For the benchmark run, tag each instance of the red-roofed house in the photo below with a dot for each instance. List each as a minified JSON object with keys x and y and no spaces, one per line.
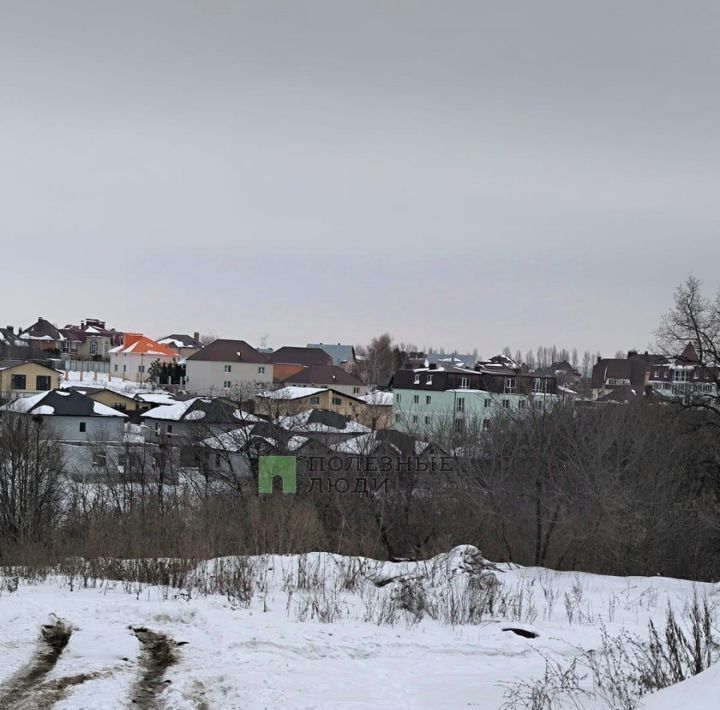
{"x":132,"y":359}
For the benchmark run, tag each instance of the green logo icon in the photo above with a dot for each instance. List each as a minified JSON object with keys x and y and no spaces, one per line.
{"x":272,"y":467}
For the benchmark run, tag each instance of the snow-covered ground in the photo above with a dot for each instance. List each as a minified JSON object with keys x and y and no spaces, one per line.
{"x":323,"y":631}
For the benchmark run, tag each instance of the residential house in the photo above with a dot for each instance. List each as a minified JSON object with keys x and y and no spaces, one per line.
{"x":113,"y":399}
{"x":287,"y":361}
{"x":342,"y":355}
{"x":73,"y":416}
{"x":377,"y":412}
{"x":132,"y":360}
{"x":91,"y":340}
{"x":450,"y":360}
{"x":185,"y":345}
{"x":193,"y":419}
{"x":330,"y":376}
{"x":679,"y":378}
{"x":563,"y":371}
{"x":21,"y":378}
{"x":683,"y":378}
{"x":437,"y":396}
{"x":11,"y":346}
{"x":290,"y":400}
{"x":322,"y":425}
{"x":225,"y":366}
{"x":43,"y":335}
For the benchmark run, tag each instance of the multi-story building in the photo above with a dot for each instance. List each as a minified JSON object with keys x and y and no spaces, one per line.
{"x":679,"y":378}
{"x":225,"y":366}
{"x":428,"y":397}
{"x":133,"y":359}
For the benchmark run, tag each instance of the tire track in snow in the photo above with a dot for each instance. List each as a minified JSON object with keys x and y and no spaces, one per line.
{"x":157,"y":654}
{"x":19,"y":690}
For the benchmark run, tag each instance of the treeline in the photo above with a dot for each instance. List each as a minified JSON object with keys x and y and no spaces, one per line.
{"x":609,"y":489}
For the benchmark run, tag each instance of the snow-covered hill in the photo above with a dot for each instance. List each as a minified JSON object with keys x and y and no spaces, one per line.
{"x":320,"y":631}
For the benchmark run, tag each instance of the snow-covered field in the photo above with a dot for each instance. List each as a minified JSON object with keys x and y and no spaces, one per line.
{"x":322,"y":631}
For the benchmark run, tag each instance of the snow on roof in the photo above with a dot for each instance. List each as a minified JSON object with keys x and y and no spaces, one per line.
{"x":378,"y":398}
{"x":138,"y":344}
{"x":61,"y":403}
{"x":172,"y":412}
{"x":156,"y":397}
{"x":24,"y":404}
{"x":292,"y":392}
{"x":302,"y":421}
{"x":102,"y":410}
{"x":44,"y":409}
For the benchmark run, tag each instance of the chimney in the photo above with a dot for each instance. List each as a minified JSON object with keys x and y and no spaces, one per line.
{"x":10,"y":329}
{"x":631,"y":353}
{"x":196,"y":336}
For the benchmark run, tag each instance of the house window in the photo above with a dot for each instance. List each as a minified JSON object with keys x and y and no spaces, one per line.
{"x":460,"y":404}
{"x":314,"y":400}
{"x":99,"y":459}
{"x":416,"y":399}
{"x":417,"y":380}
{"x":429,"y":380}
{"x":428,"y":399}
{"x":356,"y":390}
{"x":122,"y":460}
{"x":119,"y":406}
{"x":539,"y":385}
{"x":141,"y":368}
{"x":93,"y":347}
{"x":261,"y":370}
{"x":486,"y":423}
{"x":397,"y":417}
{"x":116,"y":367}
{"x":83,"y":427}
{"x":486,"y":403}
{"x":336,"y":401}
{"x":458,"y":424}
{"x":42,"y":382}
{"x":506,"y":404}
{"x":522,"y":403}
{"x":169,"y":428}
{"x":228,"y":368}
{"x":397,"y":398}
{"x":415,"y":419}
{"x":427,"y":420}
{"x":510,"y":385}
{"x":464,"y":383}
{"x":227,"y":384}
{"x":18,"y":382}
{"x":124,"y":368}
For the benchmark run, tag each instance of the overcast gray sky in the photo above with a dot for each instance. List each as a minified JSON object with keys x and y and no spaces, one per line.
{"x":466,"y":174}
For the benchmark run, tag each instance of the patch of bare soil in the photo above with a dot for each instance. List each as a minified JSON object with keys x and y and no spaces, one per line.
{"x":19,"y":691}
{"x":157,"y":654}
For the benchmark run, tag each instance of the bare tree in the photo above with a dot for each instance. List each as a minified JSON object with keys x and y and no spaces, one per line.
{"x":30,"y":470}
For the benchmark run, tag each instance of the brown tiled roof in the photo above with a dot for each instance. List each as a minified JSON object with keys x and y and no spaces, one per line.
{"x":614,"y":368}
{"x":326,"y":375}
{"x":223,"y":350}
{"x":289,"y":355}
